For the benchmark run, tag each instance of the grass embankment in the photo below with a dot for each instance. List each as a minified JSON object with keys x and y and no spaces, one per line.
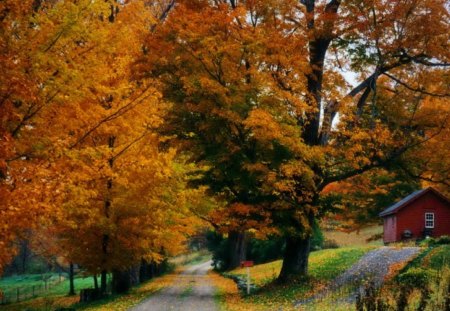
{"x":324,"y":266}
{"x":434,"y":258}
{"x":422,"y":284}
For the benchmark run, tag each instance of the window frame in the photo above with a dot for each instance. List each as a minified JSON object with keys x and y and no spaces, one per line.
{"x":432,"y":220}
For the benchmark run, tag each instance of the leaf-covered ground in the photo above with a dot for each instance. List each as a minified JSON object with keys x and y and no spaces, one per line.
{"x":324,"y":266}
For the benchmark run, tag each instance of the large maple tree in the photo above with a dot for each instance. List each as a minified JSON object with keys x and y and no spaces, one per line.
{"x":260,"y":96}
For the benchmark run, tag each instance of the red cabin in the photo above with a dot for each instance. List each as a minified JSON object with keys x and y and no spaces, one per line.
{"x":423,"y":213}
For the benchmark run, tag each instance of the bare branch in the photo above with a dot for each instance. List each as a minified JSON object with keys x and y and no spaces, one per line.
{"x":163,"y":15}
{"x":444,"y":181}
{"x":136,"y":101}
{"x":376,"y":163}
{"x":419,"y":90}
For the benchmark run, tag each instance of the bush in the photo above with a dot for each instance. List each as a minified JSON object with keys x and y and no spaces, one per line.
{"x":415,"y":278}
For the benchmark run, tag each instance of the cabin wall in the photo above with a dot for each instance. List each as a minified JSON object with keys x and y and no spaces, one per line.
{"x":412,"y":217}
{"x":389,"y":229}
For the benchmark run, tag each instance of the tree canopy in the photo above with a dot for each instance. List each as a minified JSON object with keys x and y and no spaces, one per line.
{"x":124,"y":124}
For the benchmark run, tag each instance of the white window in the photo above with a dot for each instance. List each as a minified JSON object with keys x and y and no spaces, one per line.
{"x":429,"y":220}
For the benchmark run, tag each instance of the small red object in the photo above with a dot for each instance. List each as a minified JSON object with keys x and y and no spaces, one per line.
{"x":246,"y":264}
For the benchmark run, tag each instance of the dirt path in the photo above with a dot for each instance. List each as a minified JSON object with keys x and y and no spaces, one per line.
{"x":192,"y":290}
{"x":373,"y":266}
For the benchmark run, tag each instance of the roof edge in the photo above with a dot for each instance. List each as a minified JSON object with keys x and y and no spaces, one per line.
{"x":417,"y":196}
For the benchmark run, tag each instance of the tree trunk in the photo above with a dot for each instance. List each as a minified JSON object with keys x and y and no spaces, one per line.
{"x":107,"y":207}
{"x":295,"y":260}
{"x":238,"y":248}
{"x":95,"y":282}
{"x":145,"y":271}
{"x":71,"y":280}
{"x":103,"y":281}
{"x":134,"y":275}
{"x":121,"y":282}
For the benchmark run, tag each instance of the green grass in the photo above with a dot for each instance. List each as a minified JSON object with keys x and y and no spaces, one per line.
{"x":438,"y":258}
{"x":80,"y":283}
{"x":26,"y":282}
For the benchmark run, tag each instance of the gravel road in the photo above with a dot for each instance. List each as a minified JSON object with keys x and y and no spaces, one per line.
{"x":192,"y":290}
{"x":373,"y":266}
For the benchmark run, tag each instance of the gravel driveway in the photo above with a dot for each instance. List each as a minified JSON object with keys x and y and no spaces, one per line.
{"x":373,"y":266}
{"x":192,"y":290}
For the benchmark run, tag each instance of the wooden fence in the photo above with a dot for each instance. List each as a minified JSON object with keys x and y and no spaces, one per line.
{"x":22,"y":293}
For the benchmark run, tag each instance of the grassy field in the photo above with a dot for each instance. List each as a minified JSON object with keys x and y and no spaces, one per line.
{"x":324,"y":266}
{"x":355,"y":238}
{"x":28,"y":284}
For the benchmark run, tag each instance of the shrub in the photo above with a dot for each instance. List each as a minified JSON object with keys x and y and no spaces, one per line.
{"x":330,"y":243}
{"x":445,"y":239}
{"x":262,"y":251}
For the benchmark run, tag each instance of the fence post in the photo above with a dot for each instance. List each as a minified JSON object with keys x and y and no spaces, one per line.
{"x":17,"y":294}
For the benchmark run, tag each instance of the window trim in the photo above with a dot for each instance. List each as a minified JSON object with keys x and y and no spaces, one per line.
{"x":432,"y":220}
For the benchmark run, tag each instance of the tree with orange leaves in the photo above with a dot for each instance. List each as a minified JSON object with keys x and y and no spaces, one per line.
{"x":80,"y":155}
{"x":258,"y":86}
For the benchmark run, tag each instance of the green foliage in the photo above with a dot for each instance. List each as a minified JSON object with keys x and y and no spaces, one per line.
{"x":261,"y":251}
{"x":317,"y":238}
{"x":258,"y":250}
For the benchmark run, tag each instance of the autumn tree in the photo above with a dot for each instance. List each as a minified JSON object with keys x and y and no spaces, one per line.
{"x":260,"y":97}
{"x":80,"y":155}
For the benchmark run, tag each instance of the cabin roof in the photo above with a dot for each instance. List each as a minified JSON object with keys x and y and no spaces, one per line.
{"x":409,"y":199}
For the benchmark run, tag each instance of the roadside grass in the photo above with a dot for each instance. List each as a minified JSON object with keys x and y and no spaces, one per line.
{"x":355,"y":238}
{"x":324,"y":266}
{"x":57,"y":298}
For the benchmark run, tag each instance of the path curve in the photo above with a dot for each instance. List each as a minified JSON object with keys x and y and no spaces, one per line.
{"x":192,"y":290}
{"x":373,"y":266}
